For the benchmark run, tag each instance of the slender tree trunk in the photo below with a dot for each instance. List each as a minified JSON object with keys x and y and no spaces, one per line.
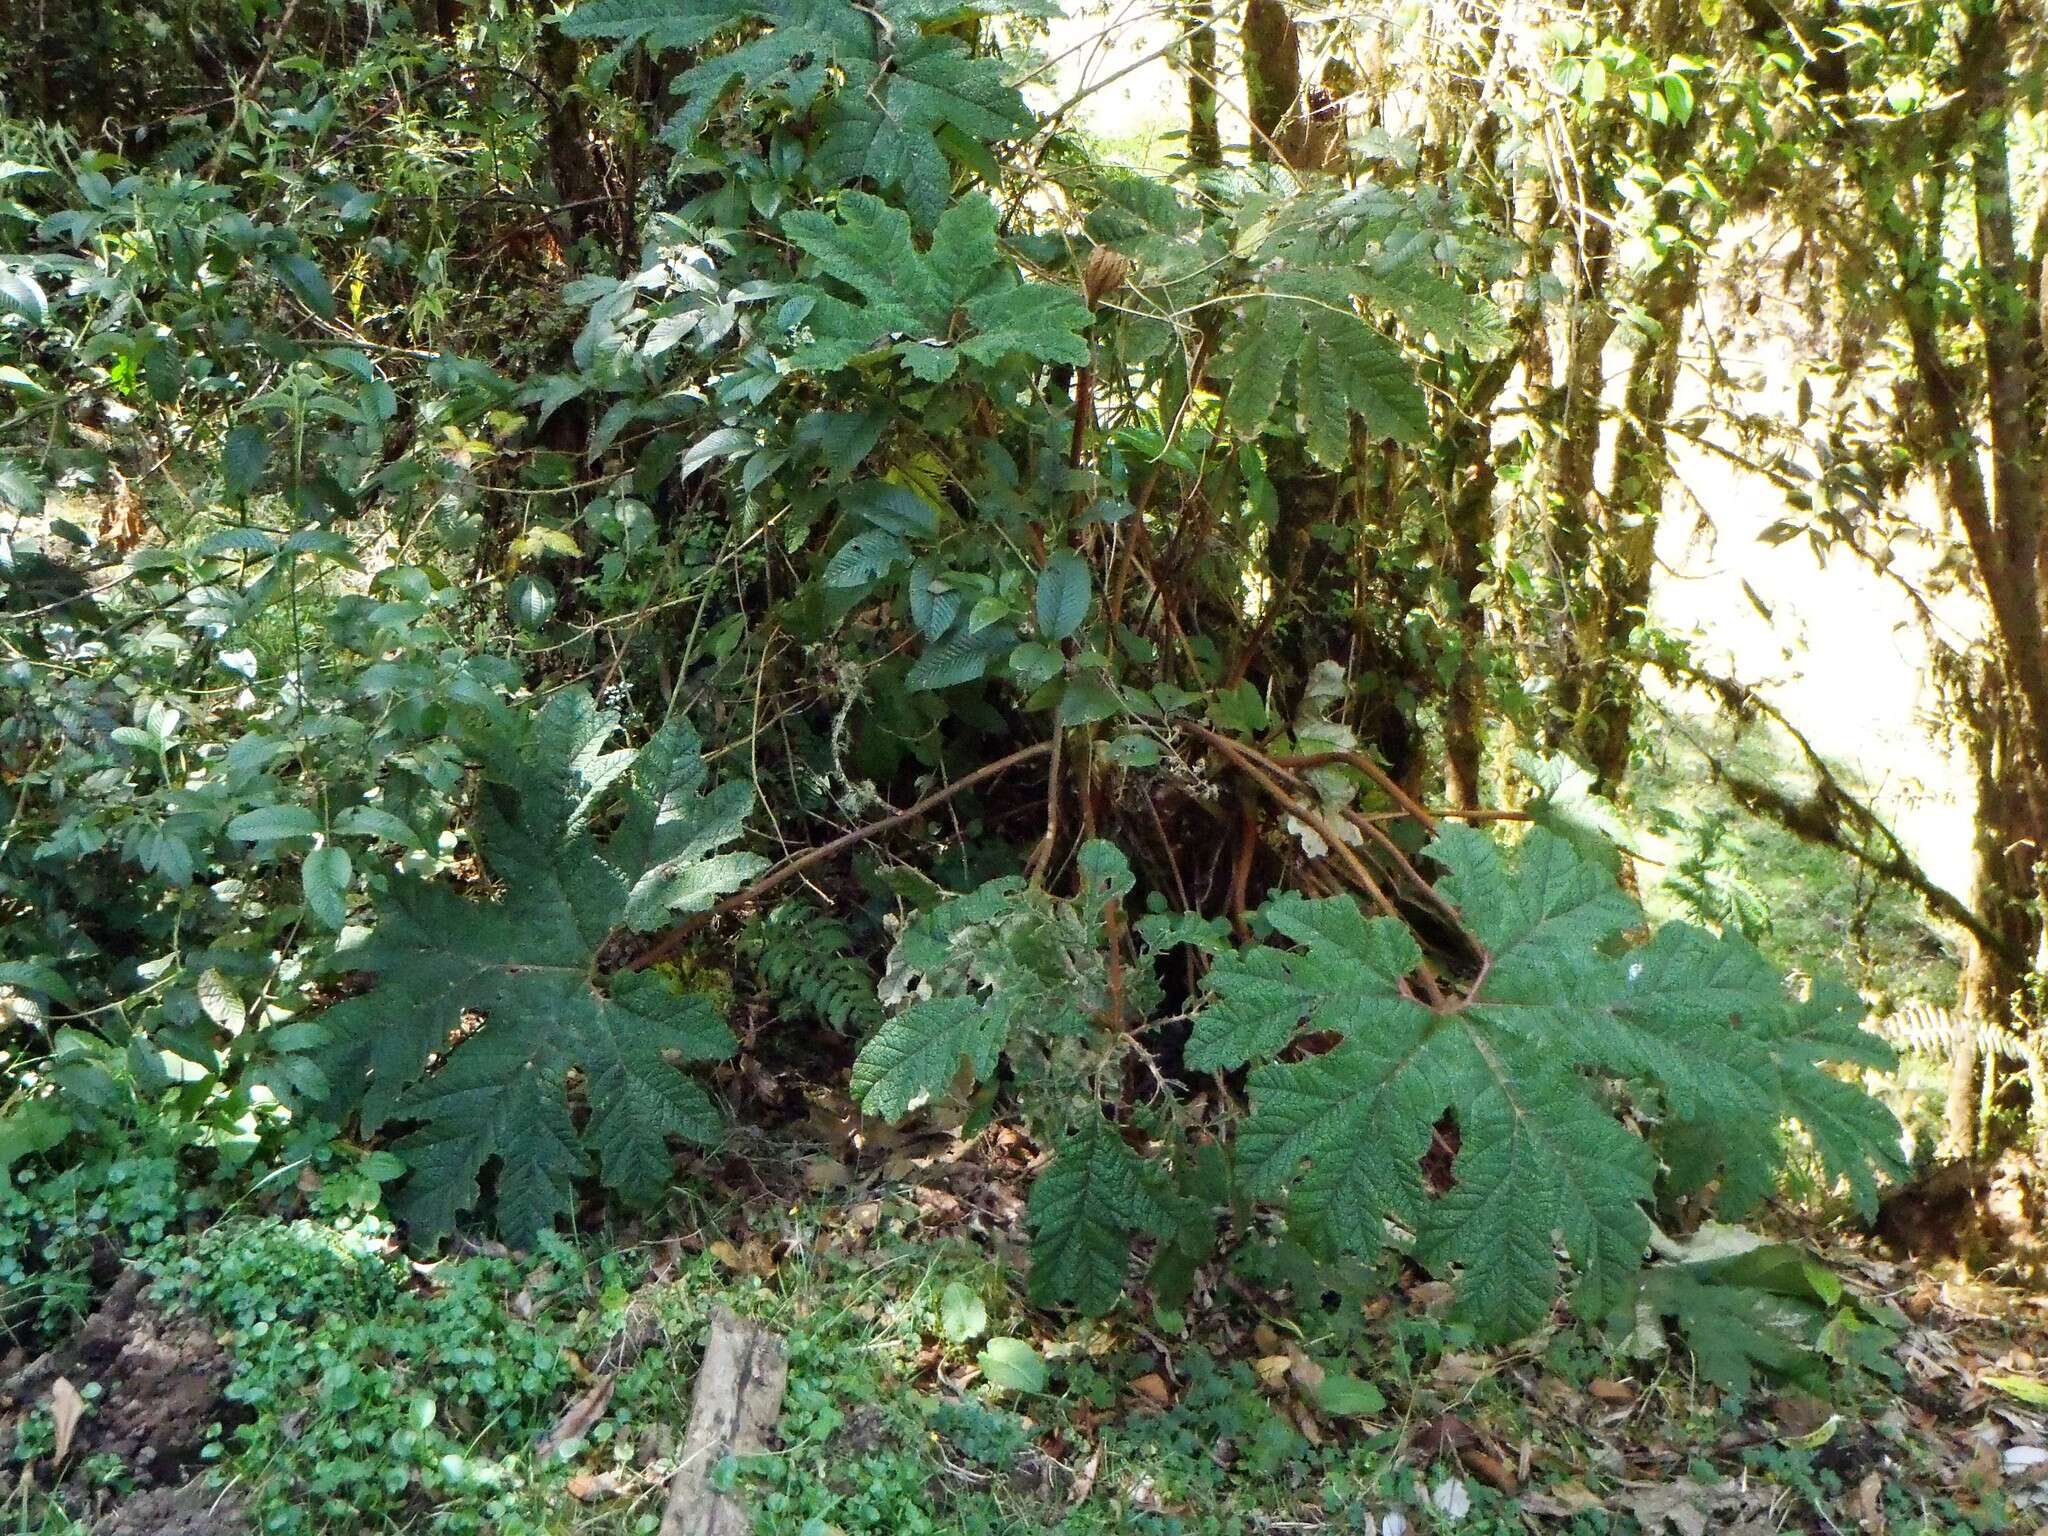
{"x":1471,"y":536}
{"x":437,"y":18}
{"x":2005,"y":892}
{"x":1272,"y":78}
{"x":1573,"y":411}
{"x":1600,"y":683}
{"x":1642,"y":472}
{"x":1205,"y":132}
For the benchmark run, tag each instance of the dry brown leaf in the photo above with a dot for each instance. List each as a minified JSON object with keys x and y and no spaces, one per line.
{"x":1608,"y":1390}
{"x":1561,"y":1501}
{"x":1867,"y":1504}
{"x":1084,"y":1480}
{"x":1152,"y":1388}
{"x":1270,"y":1369}
{"x":1491,"y":1469}
{"x":1446,"y":1432}
{"x":1462,"y":1370}
{"x":825,"y":1173}
{"x":1302,"y":1371}
{"x":1684,"y":1506}
{"x":578,"y":1417}
{"x":1985,"y":1471}
{"x":1433,"y":1296}
{"x":121,"y":526}
{"x":727,"y":1254}
{"x":586,"y":1488}
{"x":66,"y":1409}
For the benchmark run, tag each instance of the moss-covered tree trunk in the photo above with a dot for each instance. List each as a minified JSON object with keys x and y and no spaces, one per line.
{"x":1205,"y":130}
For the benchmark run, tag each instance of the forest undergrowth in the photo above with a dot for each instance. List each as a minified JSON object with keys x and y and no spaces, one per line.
{"x":670,"y":656}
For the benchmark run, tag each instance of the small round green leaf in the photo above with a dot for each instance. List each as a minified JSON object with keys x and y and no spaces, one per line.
{"x":532,"y":600}
{"x":963,"y":1315}
{"x":1013,"y":1365}
{"x":1132,"y":751}
{"x":1346,"y":1396}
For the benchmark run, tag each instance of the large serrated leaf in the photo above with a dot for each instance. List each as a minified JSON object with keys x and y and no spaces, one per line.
{"x":1085,"y":1209}
{"x":482,"y":1009}
{"x":1302,"y":327}
{"x":915,"y":1057}
{"x":960,"y":298}
{"x":890,"y":92}
{"x":1521,"y":1063}
{"x":885,"y":127}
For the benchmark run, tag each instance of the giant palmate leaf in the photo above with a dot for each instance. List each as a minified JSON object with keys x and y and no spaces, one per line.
{"x":486,"y":1003}
{"x":1564,"y":1024}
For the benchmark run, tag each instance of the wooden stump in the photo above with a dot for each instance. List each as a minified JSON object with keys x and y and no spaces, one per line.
{"x":732,"y":1413}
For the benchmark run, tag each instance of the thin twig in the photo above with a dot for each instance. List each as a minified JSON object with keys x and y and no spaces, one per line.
{"x":675,"y":937}
{"x":283,"y":30}
{"x":1372,"y":770}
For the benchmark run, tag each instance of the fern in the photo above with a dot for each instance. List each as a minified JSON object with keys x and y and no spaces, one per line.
{"x":1708,"y":881}
{"x":482,"y":1010}
{"x":1085,"y":1208}
{"x":1317,"y":271}
{"x":1696,"y":1024}
{"x":806,"y":960}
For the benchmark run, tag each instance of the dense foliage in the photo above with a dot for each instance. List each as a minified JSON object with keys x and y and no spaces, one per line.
{"x":1082,"y":577}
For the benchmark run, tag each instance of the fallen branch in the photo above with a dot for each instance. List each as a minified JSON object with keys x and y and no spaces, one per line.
{"x":1372,"y":770}
{"x":1827,"y":817}
{"x":733,"y":1412}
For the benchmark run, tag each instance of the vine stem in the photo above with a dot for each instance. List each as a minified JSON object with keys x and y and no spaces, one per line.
{"x":1372,"y":770}
{"x":676,"y":936}
{"x":1284,"y":769}
{"x":1341,"y":856}
{"x":1041,"y":856}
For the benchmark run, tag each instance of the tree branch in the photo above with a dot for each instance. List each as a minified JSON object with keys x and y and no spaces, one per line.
{"x":1832,"y":814}
{"x":673,"y":938}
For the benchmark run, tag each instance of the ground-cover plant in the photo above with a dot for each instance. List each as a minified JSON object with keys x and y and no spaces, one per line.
{"x":433,"y":1397}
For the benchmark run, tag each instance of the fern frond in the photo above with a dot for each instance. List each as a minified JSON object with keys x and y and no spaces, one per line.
{"x":806,"y":960}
